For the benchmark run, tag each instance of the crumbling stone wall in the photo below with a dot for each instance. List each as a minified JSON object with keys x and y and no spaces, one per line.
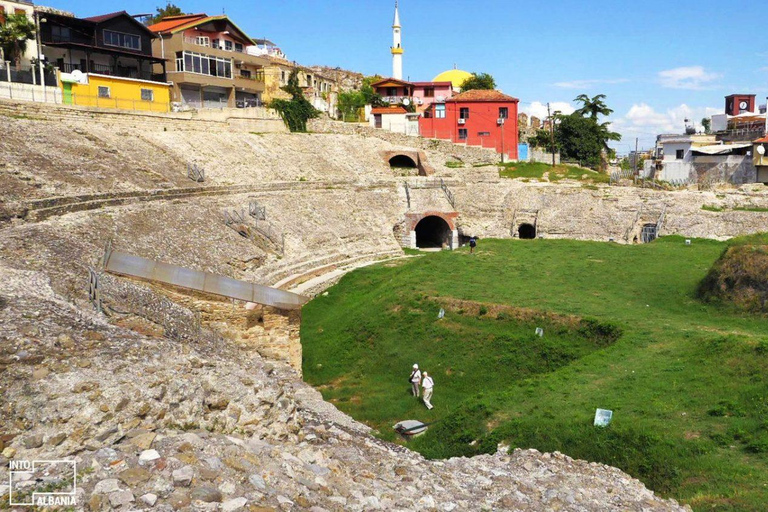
{"x":464,"y":153}
{"x":735,"y":169}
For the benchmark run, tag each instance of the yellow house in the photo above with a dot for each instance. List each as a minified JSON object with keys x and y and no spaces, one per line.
{"x":104,"y":91}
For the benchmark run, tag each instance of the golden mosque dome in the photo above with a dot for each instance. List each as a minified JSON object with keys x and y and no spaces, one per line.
{"x":455,"y":76}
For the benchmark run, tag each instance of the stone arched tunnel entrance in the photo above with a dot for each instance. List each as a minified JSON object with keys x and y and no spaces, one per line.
{"x":400,"y":161}
{"x":432,"y":232}
{"x":408,"y":159}
{"x":526,"y":231}
{"x":432,"y":229}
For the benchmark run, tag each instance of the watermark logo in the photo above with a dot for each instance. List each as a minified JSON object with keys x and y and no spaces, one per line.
{"x":42,"y":483}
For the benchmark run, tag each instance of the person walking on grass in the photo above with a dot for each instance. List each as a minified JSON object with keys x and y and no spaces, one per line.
{"x":415,"y":380}
{"x":427,"y":383}
{"x":472,"y":245}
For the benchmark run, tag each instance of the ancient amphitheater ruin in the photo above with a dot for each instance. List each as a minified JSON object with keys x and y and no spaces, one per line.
{"x":172,"y":399}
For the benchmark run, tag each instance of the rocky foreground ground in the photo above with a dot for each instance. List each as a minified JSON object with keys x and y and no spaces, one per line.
{"x":158,"y":425}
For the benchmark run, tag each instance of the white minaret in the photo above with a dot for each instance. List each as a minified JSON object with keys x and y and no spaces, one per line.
{"x":397,"y":47}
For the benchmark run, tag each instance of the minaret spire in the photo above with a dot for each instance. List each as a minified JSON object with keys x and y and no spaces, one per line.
{"x":397,"y":47}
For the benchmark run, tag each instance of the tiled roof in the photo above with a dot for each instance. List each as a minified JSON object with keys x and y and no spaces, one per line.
{"x":393,"y":80}
{"x":105,"y":17}
{"x":389,"y":110}
{"x":171,"y":22}
{"x":482,"y":95}
{"x":764,"y":140}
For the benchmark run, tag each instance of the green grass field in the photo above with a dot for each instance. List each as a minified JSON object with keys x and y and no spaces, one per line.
{"x":687,"y":381}
{"x":538,"y":170}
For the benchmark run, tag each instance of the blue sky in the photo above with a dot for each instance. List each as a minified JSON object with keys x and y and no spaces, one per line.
{"x":658,"y":61}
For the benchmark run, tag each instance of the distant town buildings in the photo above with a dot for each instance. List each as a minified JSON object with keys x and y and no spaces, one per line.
{"x":197,"y":61}
{"x":438,"y":109}
{"x":733,"y":151}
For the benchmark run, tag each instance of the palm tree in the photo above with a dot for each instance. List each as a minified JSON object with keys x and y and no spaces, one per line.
{"x":593,"y":106}
{"x":17,"y":31}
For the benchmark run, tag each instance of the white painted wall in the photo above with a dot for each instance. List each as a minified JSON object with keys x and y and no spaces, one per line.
{"x":676,"y":170}
{"x":398,"y":123}
{"x":28,"y":92}
{"x":671,"y":148}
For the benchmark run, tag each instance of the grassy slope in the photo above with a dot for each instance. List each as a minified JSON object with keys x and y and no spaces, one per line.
{"x":538,"y":169}
{"x":686,"y":381}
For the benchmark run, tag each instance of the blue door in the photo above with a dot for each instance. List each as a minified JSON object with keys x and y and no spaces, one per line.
{"x":522,"y":152}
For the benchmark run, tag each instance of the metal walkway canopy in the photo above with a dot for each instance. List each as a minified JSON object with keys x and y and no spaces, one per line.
{"x":134,"y":266}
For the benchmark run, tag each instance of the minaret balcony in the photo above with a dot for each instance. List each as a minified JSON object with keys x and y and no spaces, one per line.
{"x":397,"y":51}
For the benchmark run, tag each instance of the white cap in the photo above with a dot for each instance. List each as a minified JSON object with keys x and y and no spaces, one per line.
{"x":425,"y":374}
{"x":415,"y":367}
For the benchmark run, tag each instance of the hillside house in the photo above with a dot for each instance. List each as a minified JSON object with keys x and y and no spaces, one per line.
{"x":209,"y":64}
{"x":104,"y":61}
{"x":476,"y":118}
{"x":395,"y":119}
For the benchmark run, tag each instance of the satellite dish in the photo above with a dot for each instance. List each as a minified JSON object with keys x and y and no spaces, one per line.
{"x":761,"y":150}
{"x":77,"y":76}
{"x":406,"y":102}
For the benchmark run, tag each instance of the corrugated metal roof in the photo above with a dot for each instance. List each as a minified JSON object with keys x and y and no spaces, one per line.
{"x":720,"y":149}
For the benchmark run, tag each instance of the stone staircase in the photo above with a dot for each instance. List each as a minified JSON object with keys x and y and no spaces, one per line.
{"x":298,"y":271}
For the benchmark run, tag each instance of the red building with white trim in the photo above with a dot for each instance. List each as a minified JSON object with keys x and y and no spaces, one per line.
{"x":476,"y":118}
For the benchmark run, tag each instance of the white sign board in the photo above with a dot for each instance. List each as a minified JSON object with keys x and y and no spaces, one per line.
{"x":603,"y":417}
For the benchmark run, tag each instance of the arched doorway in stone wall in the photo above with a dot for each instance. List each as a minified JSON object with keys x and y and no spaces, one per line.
{"x":432,"y":232}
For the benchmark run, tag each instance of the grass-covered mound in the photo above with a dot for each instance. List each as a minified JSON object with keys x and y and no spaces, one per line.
{"x":545,"y":172}
{"x":740,"y":277}
{"x":623,"y":330}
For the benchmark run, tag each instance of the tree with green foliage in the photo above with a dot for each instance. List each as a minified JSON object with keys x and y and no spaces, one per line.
{"x":298,"y":110}
{"x":15,"y":35}
{"x":169,"y":10}
{"x":542,"y":139}
{"x":478,"y":81}
{"x":580,"y":136}
{"x":593,"y":106}
{"x":350,"y":102}
{"x":707,"y":124}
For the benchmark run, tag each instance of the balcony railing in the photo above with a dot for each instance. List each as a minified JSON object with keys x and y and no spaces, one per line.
{"x":393,"y":100}
{"x":209,"y":44}
{"x":257,"y":76}
{"x":104,"y":69}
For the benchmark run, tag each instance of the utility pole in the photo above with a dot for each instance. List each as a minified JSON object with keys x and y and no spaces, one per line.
{"x":634,"y":160}
{"x":551,"y":133}
{"x":501,"y":123}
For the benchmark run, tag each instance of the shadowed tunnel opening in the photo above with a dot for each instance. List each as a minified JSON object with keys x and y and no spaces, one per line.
{"x":526,"y":231}
{"x":432,"y":232}
{"x":400,"y":161}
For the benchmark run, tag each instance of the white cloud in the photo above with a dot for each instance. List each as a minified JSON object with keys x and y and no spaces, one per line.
{"x":586,"y":84}
{"x":538,"y":109}
{"x":689,"y":77}
{"x":644,"y":119}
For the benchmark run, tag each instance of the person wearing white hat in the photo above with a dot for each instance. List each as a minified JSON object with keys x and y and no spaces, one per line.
{"x":415,"y":380}
{"x":427,"y":383}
